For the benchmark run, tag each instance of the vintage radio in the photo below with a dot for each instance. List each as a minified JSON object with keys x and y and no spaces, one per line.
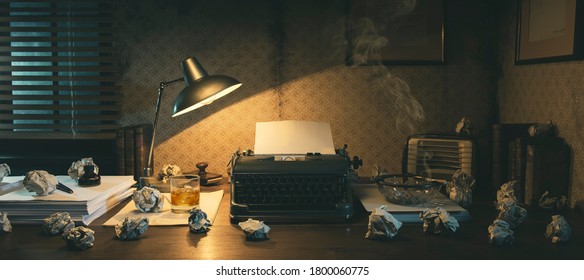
{"x":439,"y":156}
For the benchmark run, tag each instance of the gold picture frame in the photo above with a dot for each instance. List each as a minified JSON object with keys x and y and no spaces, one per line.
{"x":396,"y":32}
{"x":547,"y":31}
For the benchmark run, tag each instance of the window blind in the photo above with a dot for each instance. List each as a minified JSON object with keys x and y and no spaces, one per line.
{"x":58,"y":69}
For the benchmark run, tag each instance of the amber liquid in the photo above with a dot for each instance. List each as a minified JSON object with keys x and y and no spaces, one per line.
{"x":184,"y":199}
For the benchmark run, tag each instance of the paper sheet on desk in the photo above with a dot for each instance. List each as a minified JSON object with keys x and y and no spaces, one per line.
{"x":371,"y":198}
{"x":210,"y":202}
{"x":9,"y":187}
{"x":293,"y":138}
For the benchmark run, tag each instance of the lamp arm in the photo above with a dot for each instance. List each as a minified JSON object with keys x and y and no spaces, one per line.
{"x":148,"y":172}
{"x":164,"y":84}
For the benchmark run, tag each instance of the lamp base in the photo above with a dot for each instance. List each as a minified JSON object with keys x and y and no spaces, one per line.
{"x":147,"y":172}
{"x":154,"y":183}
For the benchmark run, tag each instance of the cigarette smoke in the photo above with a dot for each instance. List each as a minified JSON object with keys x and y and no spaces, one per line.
{"x":367,"y":41}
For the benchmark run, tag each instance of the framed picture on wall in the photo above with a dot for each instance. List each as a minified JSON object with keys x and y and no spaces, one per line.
{"x":395,"y":32}
{"x":548,"y":31}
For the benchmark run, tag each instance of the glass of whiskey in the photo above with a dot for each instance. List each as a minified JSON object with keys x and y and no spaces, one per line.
{"x":185,"y":193}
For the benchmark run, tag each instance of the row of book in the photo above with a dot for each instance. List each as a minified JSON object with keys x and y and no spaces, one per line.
{"x":132,"y":149}
{"x":538,"y":164}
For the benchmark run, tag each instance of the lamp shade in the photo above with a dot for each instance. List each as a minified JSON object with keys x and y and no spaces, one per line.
{"x":202,"y":89}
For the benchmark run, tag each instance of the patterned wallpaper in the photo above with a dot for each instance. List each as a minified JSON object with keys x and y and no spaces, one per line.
{"x":290,"y":57}
{"x":542,"y":92}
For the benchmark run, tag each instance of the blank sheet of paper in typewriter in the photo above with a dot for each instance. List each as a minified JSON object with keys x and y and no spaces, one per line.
{"x":293,"y":138}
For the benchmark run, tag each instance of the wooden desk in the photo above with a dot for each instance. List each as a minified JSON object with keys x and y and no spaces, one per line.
{"x":312,"y":241}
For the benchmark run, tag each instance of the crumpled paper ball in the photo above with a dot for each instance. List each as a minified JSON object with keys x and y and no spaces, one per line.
{"x":464,"y":127}
{"x":5,"y":225}
{"x":500,"y":233}
{"x":506,"y":193}
{"x":542,"y":129}
{"x":254,"y":229}
{"x":58,"y":223}
{"x":131,"y":228}
{"x":438,"y":220}
{"x":460,"y":188}
{"x":558,"y":230}
{"x":148,"y":199}
{"x":40,"y":182}
{"x":382,"y":225}
{"x":167,"y":171}
{"x":4,"y":171}
{"x":378,"y":170}
{"x":79,"y":238}
{"x":76,"y":170}
{"x":511,"y":213}
{"x":198,"y":222}
{"x":547,"y":201}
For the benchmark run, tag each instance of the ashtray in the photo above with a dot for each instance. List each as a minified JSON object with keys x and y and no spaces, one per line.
{"x":407,"y":189}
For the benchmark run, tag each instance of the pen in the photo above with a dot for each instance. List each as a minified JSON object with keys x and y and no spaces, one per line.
{"x":64,"y":188}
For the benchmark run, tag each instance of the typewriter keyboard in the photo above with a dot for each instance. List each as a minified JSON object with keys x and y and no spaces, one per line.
{"x":290,"y":192}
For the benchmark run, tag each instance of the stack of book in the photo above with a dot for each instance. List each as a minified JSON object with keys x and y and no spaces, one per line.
{"x":538,"y":164}
{"x":508,"y":148}
{"x":84,"y":205}
{"x":547,"y":168}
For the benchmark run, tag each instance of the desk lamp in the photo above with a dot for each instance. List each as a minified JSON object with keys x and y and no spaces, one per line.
{"x":201,"y":89}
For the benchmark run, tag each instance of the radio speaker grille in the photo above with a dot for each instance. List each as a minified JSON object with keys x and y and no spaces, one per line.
{"x":438,"y":157}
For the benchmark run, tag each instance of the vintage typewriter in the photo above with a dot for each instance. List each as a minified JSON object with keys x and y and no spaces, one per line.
{"x":307,"y":188}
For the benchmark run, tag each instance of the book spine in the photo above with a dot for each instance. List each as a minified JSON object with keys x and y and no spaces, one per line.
{"x":138,"y":152}
{"x":529,"y":176}
{"x":129,"y":151}
{"x":142,"y":140}
{"x":564,"y":165}
{"x":120,"y":156}
{"x":497,"y":156}
{"x":511,"y":160}
{"x":520,"y":168}
{"x":552,"y":169}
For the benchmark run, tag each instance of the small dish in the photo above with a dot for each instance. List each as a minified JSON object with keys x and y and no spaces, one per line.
{"x":407,"y":189}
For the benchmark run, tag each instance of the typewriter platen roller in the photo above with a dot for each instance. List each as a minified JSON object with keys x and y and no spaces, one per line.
{"x":298,"y":188}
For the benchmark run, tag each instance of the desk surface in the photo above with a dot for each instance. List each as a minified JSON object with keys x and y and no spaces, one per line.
{"x":307,"y":241}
